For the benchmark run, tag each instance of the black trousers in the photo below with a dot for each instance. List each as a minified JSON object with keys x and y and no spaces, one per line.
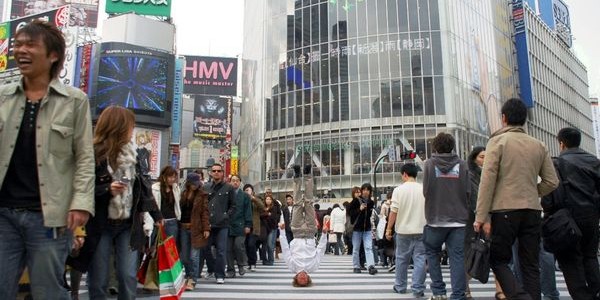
{"x":251,"y":248}
{"x":522,"y":225}
{"x":580,"y":266}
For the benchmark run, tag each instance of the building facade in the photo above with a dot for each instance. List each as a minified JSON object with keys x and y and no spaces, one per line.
{"x":336,"y":83}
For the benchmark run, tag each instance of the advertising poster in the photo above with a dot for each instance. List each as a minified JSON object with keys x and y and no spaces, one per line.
{"x":210,"y":75}
{"x":85,"y":57}
{"x":147,"y":142}
{"x":177,"y":102}
{"x":212,"y":117}
{"x":150,"y":8}
{"x":4,"y":43}
{"x":83,"y":12}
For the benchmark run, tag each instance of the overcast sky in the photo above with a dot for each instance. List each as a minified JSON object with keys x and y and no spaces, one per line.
{"x":214,"y":28}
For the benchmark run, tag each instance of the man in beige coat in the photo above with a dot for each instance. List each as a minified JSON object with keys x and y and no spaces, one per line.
{"x":509,"y":200}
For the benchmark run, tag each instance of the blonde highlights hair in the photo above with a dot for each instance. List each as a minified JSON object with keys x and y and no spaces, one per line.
{"x":112,"y":132}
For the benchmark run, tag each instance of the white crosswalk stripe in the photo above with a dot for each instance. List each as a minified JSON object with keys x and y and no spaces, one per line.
{"x":334,"y":280}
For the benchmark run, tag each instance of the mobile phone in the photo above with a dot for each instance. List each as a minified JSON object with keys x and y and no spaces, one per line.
{"x":124,"y":180}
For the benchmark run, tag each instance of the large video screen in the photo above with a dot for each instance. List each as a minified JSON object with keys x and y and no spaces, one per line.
{"x":137,"y":78}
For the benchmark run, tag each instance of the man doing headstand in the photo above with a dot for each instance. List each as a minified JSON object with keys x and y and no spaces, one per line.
{"x":302,"y":256}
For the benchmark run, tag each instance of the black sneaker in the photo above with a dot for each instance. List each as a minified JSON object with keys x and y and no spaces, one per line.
{"x":230,"y":274}
{"x":307,"y":169}
{"x":296,"y":171}
{"x":372,"y":270}
{"x":242,"y":270}
{"x":356,"y":270}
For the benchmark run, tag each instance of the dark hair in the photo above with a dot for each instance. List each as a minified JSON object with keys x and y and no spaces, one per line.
{"x":247,"y":185}
{"x":317,"y":206}
{"x":443,"y":143}
{"x":216,"y":164}
{"x":238,"y":177}
{"x":367,"y":186}
{"x":288,"y":195}
{"x":166,"y":171}
{"x":53,"y":40}
{"x":354,"y":190}
{"x":410,"y":169}
{"x":336,"y":205}
{"x":473,"y":156}
{"x":570,"y":137}
{"x":296,"y":284}
{"x":515,"y":112}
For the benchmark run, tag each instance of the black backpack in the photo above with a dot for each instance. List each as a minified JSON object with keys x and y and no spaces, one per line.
{"x":560,"y":233}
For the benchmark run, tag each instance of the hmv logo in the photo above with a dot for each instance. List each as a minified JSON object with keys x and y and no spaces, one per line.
{"x":200,"y":69}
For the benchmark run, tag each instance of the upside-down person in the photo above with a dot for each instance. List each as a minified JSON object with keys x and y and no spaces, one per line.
{"x":301,"y":255}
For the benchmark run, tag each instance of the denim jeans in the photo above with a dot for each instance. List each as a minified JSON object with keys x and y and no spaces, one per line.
{"x":125,"y":259}
{"x":339,"y":245}
{"x":365,"y":238}
{"x":454,"y":237}
{"x":548,"y":275}
{"x":206,"y":254}
{"x":172,"y":229}
{"x":189,"y":257}
{"x":26,"y":242}
{"x":269,"y":248}
{"x":408,"y":246}
{"x":219,"y":237}
{"x":251,"y":248}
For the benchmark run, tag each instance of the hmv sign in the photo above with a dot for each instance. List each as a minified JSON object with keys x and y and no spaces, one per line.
{"x":206,"y":75}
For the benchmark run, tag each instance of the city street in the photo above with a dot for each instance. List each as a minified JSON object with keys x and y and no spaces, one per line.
{"x":334,"y":280}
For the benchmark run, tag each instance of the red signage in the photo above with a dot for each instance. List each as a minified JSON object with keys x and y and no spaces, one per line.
{"x":210,"y":76}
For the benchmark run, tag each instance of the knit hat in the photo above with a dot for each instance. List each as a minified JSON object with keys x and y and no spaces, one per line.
{"x":193,"y":178}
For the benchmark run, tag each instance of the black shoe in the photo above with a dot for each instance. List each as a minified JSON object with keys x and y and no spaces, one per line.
{"x":242,"y":270}
{"x":356,"y":270}
{"x":230,"y":274}
{"x":372,"y":270}
{"x":362,"y":267}
{"x":296,"y":171}
{"x":307,"y":169}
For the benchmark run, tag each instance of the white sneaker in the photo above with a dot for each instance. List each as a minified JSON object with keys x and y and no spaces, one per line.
{"x":220,"y":280}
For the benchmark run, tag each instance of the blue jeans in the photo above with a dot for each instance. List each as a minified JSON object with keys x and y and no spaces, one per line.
{"x":408,"y":246}
{"x":126,"y":263}
{"x":366,"y":238}
{"x":172,"y":229}
{"x":219,"y":237}
{"x":454,"y":237}
{"x":190,"y":257}
{"x":26,"y":242}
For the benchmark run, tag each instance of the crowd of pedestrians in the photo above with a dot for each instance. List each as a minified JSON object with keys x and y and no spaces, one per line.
{"x":93,"y":180}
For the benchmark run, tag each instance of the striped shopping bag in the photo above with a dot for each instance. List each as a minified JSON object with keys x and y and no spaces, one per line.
{"x":170,"y":270}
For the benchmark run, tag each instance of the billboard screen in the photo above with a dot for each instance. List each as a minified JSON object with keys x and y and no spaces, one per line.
{"x":147,"y":7}
{"x":210,"y":75}
{"x":212,"y":117}
{"x":137,"y":78}
{"x":83,"y":12}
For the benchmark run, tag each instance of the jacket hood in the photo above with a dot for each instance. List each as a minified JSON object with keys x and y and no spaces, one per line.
{"x":445,"y":161}
{"x":508,"y":129}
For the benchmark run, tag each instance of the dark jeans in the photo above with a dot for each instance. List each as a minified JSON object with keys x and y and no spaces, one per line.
{"x":522,"y":225}
{"x":219,"y":238}
{"x":251,"y":248}
{"x":580,"y":266}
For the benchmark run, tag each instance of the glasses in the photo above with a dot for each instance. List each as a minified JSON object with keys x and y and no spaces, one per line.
{"x":216,"y":171}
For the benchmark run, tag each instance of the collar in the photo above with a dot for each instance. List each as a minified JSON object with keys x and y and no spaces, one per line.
{"x":54,"y":85}
{"x":517,"y":129}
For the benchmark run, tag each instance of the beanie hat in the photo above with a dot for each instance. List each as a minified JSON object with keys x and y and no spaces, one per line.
{"x":193,"y":178}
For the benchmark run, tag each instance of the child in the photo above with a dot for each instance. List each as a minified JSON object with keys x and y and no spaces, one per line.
{"x":302,"y":255}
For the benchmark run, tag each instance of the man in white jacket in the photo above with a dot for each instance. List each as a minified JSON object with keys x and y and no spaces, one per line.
{"x":302,"y":256}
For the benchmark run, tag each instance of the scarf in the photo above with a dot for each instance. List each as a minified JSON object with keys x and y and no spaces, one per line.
{"x":119,"y":207}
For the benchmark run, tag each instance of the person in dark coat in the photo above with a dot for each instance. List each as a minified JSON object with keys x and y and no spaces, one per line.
{"x":239,"y":227}
{"x":122,"y":195}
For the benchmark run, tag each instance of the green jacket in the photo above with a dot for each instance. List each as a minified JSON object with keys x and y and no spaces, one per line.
{"x":65,"y":153}
{"x":242,"y":217}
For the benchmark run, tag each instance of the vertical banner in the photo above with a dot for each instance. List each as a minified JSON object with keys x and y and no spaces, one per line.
{"x":4,"y":43}
{"x":147,"y":142}
{"x":84,"y":67}
{"x":522,"y":47}
{"x":212,"y":117}
{"x":177,"y":102}
{"x":174,"y":156}
{"x":67,"y":74}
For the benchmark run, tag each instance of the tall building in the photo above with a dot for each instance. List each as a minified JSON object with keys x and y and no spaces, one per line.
{"x":596,"y":123}
{"x":337,"y":83}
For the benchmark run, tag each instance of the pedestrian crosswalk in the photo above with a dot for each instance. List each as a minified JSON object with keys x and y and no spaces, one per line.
{"x":334,"y":280}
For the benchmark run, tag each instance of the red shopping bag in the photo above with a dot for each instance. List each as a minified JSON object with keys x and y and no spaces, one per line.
{"x":170,"y":269}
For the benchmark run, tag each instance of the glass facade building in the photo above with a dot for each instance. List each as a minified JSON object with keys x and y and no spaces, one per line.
{"x":336,"y":83}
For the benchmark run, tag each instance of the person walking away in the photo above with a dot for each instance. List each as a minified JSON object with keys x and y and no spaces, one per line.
{"x":302,"y":256}
{"x":239,"y":227}
{"x":47,"y":165}
{"x":582,"y":169}
{"x":361,"y":209}
{"x":338,"y":225}
{"x":407,"y":218}
{"x":508,"y":205}
{"x":446,"y":188}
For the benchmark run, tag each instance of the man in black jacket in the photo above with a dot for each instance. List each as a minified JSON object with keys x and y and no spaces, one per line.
{"x":221,"y":205}
{"x":360,"y":210}
{"x":582,"y":169}
{"x":287,"y":216}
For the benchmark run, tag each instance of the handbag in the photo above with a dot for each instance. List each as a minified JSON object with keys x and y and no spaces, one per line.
{"x":170,"y":269}
{"x":477,"y":258}
{"x":147,"y":274}
{"x":381,"y":226}
{"x":560,"y":233}
{"x":332,"y":238}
